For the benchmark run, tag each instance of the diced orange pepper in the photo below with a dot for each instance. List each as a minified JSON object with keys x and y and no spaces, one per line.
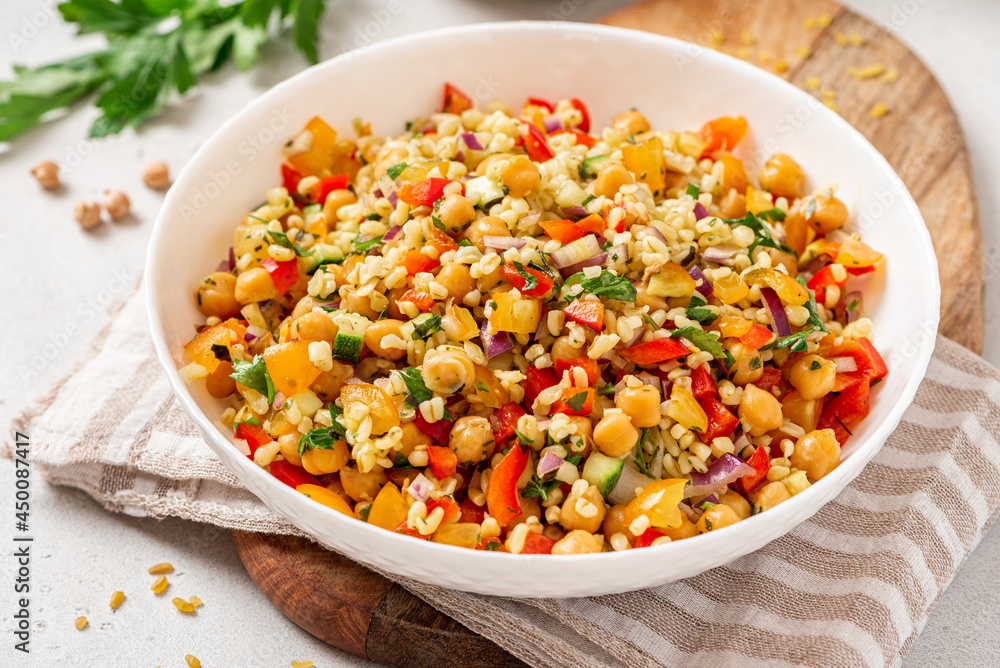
{"x":593,"y":224}
{"x":199,"y":349}
{"x":319,"y":159}
{"x":423,"y":301}
{"x":326,"y":497}
{"x":455,"y":101}
{"x":563,"y":231}
{"x":655,"y":351}
{"x":586,"y":312}
{"x":501,"y":492}
{"x":442,"y":461}
{"x":756,"y":337}
{"x":647,"y":163}
{"x":588,"y":365}
{"x":441,"y":241}
{"x":417,"y":261}
{"x":723,"y":133}
{"x":289,"y":366}
{"x":389,"y":509}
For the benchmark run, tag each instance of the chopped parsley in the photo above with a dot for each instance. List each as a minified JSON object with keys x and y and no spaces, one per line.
{"x":438,"y":224}
{"x":763,"y":233}
{"x":575,"y":459}
{"x":397,"y":169}
{"x":608,"y":285}
{"x":755,"y":363}
{"x":693,"y":191}
{"x":705,"y":506}
{"x":530,"y":282}
{"x":639,"y":458}
{"x":521,"y":438}
{"x":362,"y":247}
{"x":255,"y":376}
{"x":607,"y":390}
{"x":814,"y":318}
{"x":414,"y":380}
{"x":364,"y":512}
{"x":707,"y":341}
{"x":590,"y":198}
{"x":281,"y":239}
{"x":426,"y":327}
{"x":319,"y":439}
{"x":794,"y":342}
{"x":815,"y":366}
{"x":401,"y":462}
{"x":464,"y":242}
{"x":774,"y":214}
{"x":696,"y":310}
{"x":539,"y":488}
{"x":576,"y":401}
{"x":492,"y":545}
{"x":854,"y":304}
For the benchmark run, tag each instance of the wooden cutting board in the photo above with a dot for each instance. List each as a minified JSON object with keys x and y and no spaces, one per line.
{"x":360,"y":612}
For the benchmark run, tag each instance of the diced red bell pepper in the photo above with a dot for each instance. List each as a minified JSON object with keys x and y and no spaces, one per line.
{"x":327,"y":185}
{"x":504,"y":421}
{"x":543,"y":281}
{"x":441,"y":241}
{"x":860,"y":271}
{"x":447,"y":504}
{"x":292,"y":475}
{"x":770,"y":379}
{"x":656,"y":351}
{"x":582,"y":138}
{"x":403,"y":528}
{"x":702,"y":384}
{"x":290,"y":179}
{"x":647,"y":538}
{"x":536,"y":543}
{"x":442,"y":460}
{"x":284,"y":274}
{"x":501,"y":494}
{"x":439,"y":431}
{"x":539,"y":102}
{"x":537,"y":380}
{"x":424,"y":192}
{"x":846,"y":411}
{"x":578,"y":104}
{"x":589,"y":366}
{"x":571,"y":397}
{"x":721,"y":421}
{"x":536,"y":146}
{"x":822,"y":280}
{"x":471,"y":513}
{"x":253,"y":434}
{"x":756,"y":337}
{"x":455,"y":101}
{"x":563,"y":231}
{"x":417,"y":261}
{"x":761,"y":462}
{"x":620,"y":225}
{"x":492,"y":544}
{"x":423,"y":301}
{"x":592,"y":223}
{"x":879,"y":368}
{"x":723,"y":133}
{"x":586,"y":312}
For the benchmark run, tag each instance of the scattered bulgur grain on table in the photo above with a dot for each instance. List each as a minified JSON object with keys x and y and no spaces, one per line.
{"x":116,"y":203}
{"x":183,"y":605}
{"x":890,"y":75}
{"x":157,"y":569}
{"x":813,"y":83}
{"x":781,"y":66}
{"x":748,"y":38}
{"x":765,"y":58}
{"x":195,"y":601}
{"x":47,"y":174}
{"x":856,"y":39}
{"x":160,"y":585}
{"x":879,"y":110}
{"x":80,"y":623}
{"x":156,"y":175}
{"x":840,"y":38}
{"x":116,"y":599}
{"x":88,"y":214}
{"x":803,"y":52}
{"x":867,"y":72}
{"x":302,"y":664}
{"x":192,"y":660}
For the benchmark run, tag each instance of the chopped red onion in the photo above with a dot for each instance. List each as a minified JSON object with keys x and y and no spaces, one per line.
{"x":703,"y":287}
{"x":575,"y":212}
{"x":725,"y":470}
{"x":392,"y":233}
{"x":845,"y":364}
{"x":580,"y":266}
{"x":393,"y":199}
{"x":776,"y":312}
{"x":279,"y":400}
{"x":854,"y":313}
{"x":741,"y":442}
{"x":543,"y":324}
{"x":222,"y":266}
{"x":721,"y":254}
{"x":650,"y":230}
{"x":530,"y":219}
{"x":700,"y":211}
{"x":666,"y":386}
{"x":495,"y":344}
{"x":471,"y":142}
{"x":248,"y":337}
{"x":543,"y":425}
{"x":553,"y":123}
{"x":420,"y":488}
{"x":578,"y":251}
{"x":254,"y":332}
{"x":504,"y":243}
{"x":689,"y":511}
{"x":549,"y":464}
{"x":232,"y":259}
{"x":635,"y":338}
{"x":648,"y":379}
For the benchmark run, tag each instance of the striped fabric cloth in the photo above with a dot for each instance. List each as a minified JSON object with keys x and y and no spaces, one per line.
{"x":850,"y":587}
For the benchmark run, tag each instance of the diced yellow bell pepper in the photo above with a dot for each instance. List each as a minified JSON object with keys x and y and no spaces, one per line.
{"x":671,"y":281}
{"x":855,"y":253}
{"x":659,"y":501}
{"x":462,"y":534}
{"x":647,"y":163}
{"x":389,"y":509}
{"x":382,"y":411}
{"x":730,"y":288}
{"x":758,"y":200}
{"x":327,"y":497}
{"x":684,"y":408}
{"x":199,"y":349}
{"x":789,"y":290}
{"x":289,"y":366}
{"x":517,"y":315}
{"x":733,"y":326}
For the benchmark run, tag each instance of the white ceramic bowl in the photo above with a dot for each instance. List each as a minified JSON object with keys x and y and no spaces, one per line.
{"x":678,"y":86}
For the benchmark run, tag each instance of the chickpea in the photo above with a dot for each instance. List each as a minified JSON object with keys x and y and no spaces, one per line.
{"x":255,"y":285}
{"x":817,"y":453}
{"x":584,"y":432}
{"x":591,"y":516}
{"x":520,"y":175}
{"x":455,"y":213}
{"x":328,"y":384}
{"x":156,"y":175}
{"x":289,"y":447}
{"x":643,"y":298}
{"x":218,"y":383}
{"x":733,"y":205}
{"x":335,"y":201}
{"x":610,"y":179}
{"x":412,"y":437}
{"x":577,"y":542}
{"x":379,"y":330}
{"x":393,"y":309}
{"x":615,"y":435}
{"x":88,"y":214}
{"x":47,"y":174}
{"x":322,"y":461}
{"x":630,"y":123}
{"x":216,"y":295}
{"x":116,"y":204}
{"x":614,"y":522}
{"x":489,"y":281}
{"x":484,"y":166}
{"x":489,"y":226}
{"x":687,"y":529}
{"x":529,"y":508}
{"x":448,"y":370}
{"x":457,"y":280}
{"x":749,"y":367}
{"x":769,"y":496}
{"x":829,"y":214}
{"x":364,"y":486}
{"x":812,"y":376}
{"x":360,"y":508}
{"x":472,"y":440}
{"x":740,"y":505}
{"x":314,"y":326}
{"x":641,"y":404}
{"x":362,"y":305}
{"x":716,"y":517}
{"x":760,"y":409}
{"x":782,"y":177}
{"x":563,"y":349}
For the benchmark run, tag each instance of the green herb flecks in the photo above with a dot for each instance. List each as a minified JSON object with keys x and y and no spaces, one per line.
{"x":814,"y":318}
{"x":281,"y":239}
{"x":607,"y":285}
{"x":414,"y":380}
{"x":255,"y":376}
{"x":696,"y":310}
{"x":707,"y":341}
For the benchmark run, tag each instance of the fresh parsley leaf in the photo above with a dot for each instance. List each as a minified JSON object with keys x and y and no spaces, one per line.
{"x":318,"y":439}
{"x":696,"y":311}
{"x":397,"y":169}
{"x":530,"y":282}
{"x":707,"y":341}
{"x":588,"y":200}
{"x":639,"y":458}
{"x":755,"y":363}
{"x":482,"y":387}
{"x":728,"y":359}
{"x":255,"y":376}
{"x":451,"y":418}
{"x":648,"y":319}
{"x":693,"y":190}
{"x":608,"y":285}
{"x":281,"y":239}
{"x":576,"y":401}
{"x":816,"y":365}
{"x":438,"y":224}
{"x":365,"y":512}
{"x":575,"y":459}
{"x":252,"y":420}
{"x":794,"y":342}
{"x":401,"y":462}
{"x":814,"y":318}
{"x":539,"y":488}
{"x":853,"y":304}
{"x":492,"y":546}
{"x":464,"y":242}
{"x":362,"y":247}
{"x":522,"y":439}
{"x":426,"y":327}
{"x":774,"y":214}
{"x":607,"y":390}
{"x":706,"y":505}
{"x":763,"y":233}
{"x":414,"y":380}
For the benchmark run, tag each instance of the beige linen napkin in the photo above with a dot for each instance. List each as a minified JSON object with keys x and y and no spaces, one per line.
{"x":850,"y":587}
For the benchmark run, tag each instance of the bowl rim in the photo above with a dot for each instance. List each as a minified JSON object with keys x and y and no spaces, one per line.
{"x":567,"y":30}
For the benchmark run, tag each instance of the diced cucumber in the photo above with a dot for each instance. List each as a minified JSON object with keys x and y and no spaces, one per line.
{"x":602,"y":471}
{"x":589,"y":167}
{"x":425,"y":324}
{"x":571,"y":194}
{"x":323,"y":254}
{"x":631,"y":479}
{"x":489,"y":192}
{"x":350,"y":337}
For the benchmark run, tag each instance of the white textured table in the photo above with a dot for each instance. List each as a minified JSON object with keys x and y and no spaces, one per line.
{"x":58,"y":282}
